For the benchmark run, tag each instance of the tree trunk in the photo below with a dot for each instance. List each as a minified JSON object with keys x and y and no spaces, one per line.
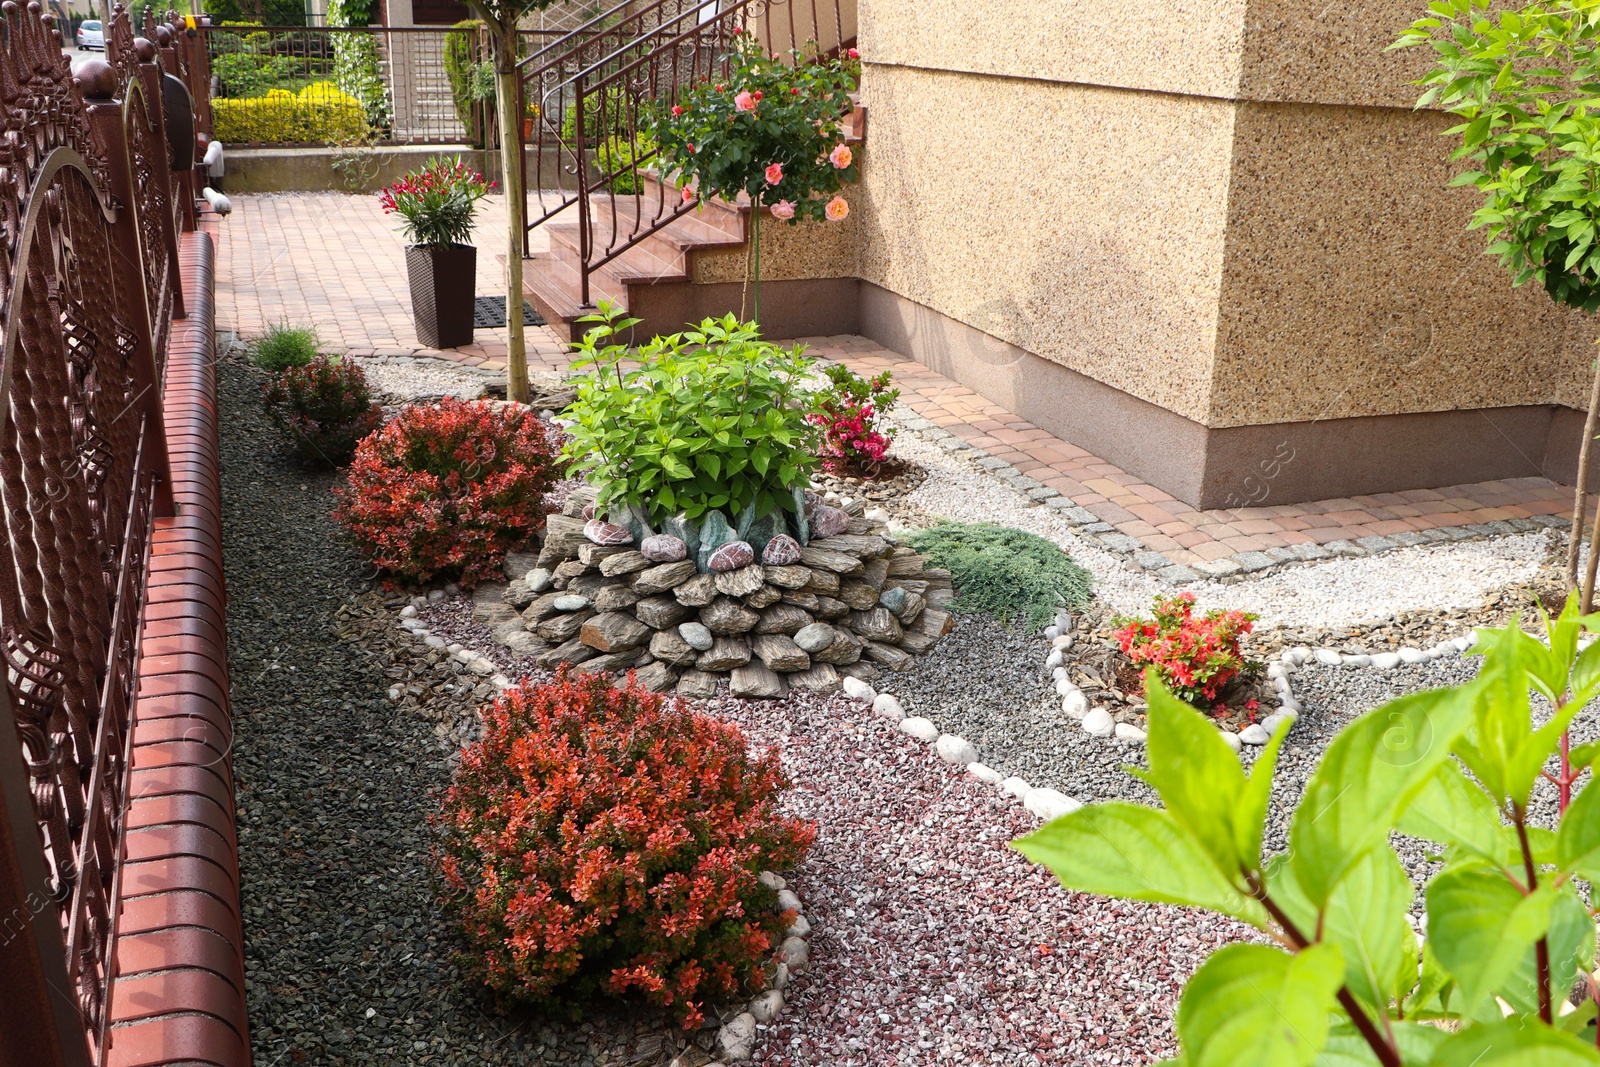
{"x":508,"y":105}
{"x":1580,"y":505}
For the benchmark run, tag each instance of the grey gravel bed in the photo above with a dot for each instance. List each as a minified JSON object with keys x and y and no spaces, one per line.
{"x":348,"y":960}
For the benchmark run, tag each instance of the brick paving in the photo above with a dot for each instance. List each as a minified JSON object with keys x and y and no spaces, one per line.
{"x":337,"y":262}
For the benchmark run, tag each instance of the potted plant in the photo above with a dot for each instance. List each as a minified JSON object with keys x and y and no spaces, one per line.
{"x":437,"y":204}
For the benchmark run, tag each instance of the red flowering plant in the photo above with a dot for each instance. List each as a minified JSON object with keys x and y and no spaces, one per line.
{"x":605,"y":840}
{"x":1197,"y":658}
{"x":848,"y":412}
{"x":448,"y":489}
{"x":325,"y":408}
{"x":436,"y":204}
{"x":770,"y":130}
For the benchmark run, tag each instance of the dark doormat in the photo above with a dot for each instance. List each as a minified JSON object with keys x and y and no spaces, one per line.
{"x":490,"y":311}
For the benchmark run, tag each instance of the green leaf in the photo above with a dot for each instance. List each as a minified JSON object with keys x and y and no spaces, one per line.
{"x":1252,"y":1004}
{"x":1452,"y":810}
{"x":1347,"y":1048}
{"x":1199,"y":778}
{"x":1365,"y":917}
{"x":1514,"y":1043}
{"x":1570,"y":945}
{"x":1480,"y":925}
{"x":1127,"y":850}
{"x":1370,"y":773}
{"x":1578,"y":840}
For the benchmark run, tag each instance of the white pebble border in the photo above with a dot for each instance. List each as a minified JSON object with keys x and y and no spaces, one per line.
{"x":736,"y":1038}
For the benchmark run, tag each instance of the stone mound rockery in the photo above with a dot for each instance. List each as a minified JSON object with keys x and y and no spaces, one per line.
{"x":852,"y":604}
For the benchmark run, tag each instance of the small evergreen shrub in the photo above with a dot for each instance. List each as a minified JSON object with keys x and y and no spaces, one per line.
{"x":285,"y":346}
{"x":607,"y":841}
{"x":325,"y":408}
{"x":1009,"y":573}
{"x":1196,"y":658}
{"x":447,"y":489}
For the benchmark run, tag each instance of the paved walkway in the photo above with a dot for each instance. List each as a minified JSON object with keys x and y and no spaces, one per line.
{"x":338,"y":263}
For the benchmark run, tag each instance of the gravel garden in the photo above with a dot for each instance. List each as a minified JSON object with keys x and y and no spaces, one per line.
{"x":713,"y":707}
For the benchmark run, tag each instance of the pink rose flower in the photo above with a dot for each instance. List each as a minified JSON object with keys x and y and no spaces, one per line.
{"x":841,"y":156}
{"x":688,"y":194}
{"x":783,"y":209}
{"x":745,"y":102}
{"x":837,"y":209}
{"x":774,"y":173}
{"x":854,"y":54}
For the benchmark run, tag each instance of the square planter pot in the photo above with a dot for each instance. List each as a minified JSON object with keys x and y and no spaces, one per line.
{"x":443,"y":282}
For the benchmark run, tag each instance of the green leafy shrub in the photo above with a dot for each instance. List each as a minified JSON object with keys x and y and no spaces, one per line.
{"x":319,"y":114}
{"x":709,"y":419}
{"x":604,"y":840}
{"x":461,"y":66}
{"x":324,"y":407}
{"x":1009,"y":573}
{"x":285,"y":346}
{"x":1346,"y":981}
{"x":618,"y":159}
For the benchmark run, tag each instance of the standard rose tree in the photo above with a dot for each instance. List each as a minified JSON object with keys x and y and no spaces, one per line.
{"x":771,"y":131}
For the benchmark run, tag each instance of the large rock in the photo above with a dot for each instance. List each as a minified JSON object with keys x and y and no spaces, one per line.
{"x":542,"y":608}
{"x":905,"y":563}
{"x":524,"y":643}
{"x":593,"y":555}
{"x":875,"y":572}
{"x":656,"y":677}
{"x":713,"y":534}
{"x":731,"y":557}
{"x":755,"y":681}
{"x":600,"y":532}
{"x":573,"y":651}
{"x":781,"y":551}
{"x":741,"y":582}
{"x":615,"y":597}
{"x":767,"y":594}
{"x":695,"y":635}
{"x":670,"y":647}
{"x":519,"y":564}
{"x":726,"y":615}
{"x":876,"y":625}
{"x":697,"y":685}
{"x":815,"y":637}
{"x":805,"y":601}
{"x":846,"y":648}
{"x":625,"y":562}
{"x":783,"y":619}
{"x":823,"y":582}
{"x":830,"y":609}
{"x":696,"y":592}
{"x":817,"y":678}
{"x":915,"y":603}
{"x":664,"y":548}
{"x":894,"y":598}
{"x":860,"y":595}
{"x":663,"y":577}
{"x":779,"y":652}
{"x":736,"y":1041}
{"x":560,"y":628}
{"x":660,"y":612}
{"x":788,"y":577}
{"x":827,"y":559}
{"x":563,"y":536}
{"x":887,"y":656}
{"x":615,"y":631}
{"x":725,"y":654}
{"x":868,"y":547}
{"x":828,"y":522}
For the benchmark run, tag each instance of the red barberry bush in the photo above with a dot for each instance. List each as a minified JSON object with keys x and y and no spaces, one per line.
{"x":324,"y":407}
{"x":447,"y":489}
{"x":1196,"y":658}
{"x":605,"y":840}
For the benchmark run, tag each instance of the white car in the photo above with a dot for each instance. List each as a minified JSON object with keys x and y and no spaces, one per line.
{"x":91,"y":36}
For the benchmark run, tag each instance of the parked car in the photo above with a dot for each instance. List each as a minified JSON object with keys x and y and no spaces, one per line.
{"x":91,"y":36}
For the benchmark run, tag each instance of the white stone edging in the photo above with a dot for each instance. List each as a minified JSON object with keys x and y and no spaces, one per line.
{"x":736,"y":1038}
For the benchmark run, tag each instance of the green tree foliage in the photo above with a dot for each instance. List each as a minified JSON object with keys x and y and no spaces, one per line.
{"x":1347,"y":982}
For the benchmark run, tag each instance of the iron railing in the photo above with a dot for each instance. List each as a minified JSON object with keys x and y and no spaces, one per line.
{"x":593,"y":91}
{"x":89,"y":284}
{"x":351,"y":85}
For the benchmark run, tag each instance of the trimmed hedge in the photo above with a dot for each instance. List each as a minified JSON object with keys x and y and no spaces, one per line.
{"x":319,"y":114}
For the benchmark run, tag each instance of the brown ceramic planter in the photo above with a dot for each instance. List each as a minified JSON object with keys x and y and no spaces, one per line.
{"x":443,"y":281}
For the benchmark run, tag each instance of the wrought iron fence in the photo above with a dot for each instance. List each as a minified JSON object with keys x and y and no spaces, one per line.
{"x":592,"y":91}
{"x":340,"y":85}
{"x":89,"y":284}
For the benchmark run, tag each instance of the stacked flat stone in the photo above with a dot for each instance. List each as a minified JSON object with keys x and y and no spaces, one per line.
{"x":851,"y":605}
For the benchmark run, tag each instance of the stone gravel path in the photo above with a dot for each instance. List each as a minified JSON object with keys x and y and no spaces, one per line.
{"x":348,"y":960}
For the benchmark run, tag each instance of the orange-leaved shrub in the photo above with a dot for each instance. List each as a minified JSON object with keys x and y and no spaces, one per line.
{"x":606,"y":840}
{"x":447,"y":489}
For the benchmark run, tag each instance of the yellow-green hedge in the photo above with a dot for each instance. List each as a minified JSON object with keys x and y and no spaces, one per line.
{"x":320,"y":113}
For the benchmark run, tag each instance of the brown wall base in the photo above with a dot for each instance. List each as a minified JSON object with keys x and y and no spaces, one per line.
{"x":804,"y":307}
{"x":1243,"y":466}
